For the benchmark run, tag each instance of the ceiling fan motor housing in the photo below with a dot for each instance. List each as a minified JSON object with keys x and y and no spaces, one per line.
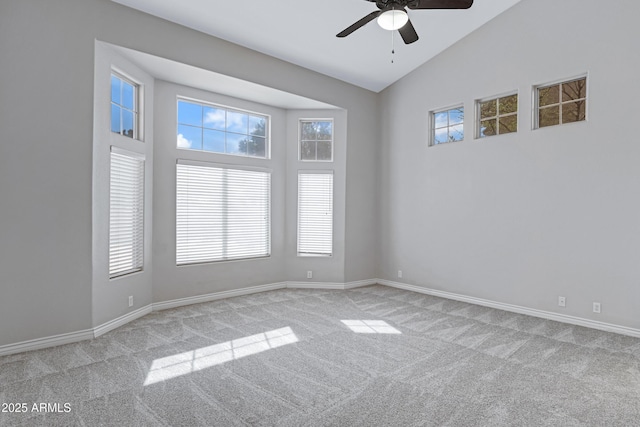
{"x":394,"y":4}
{"x":395,"y":9}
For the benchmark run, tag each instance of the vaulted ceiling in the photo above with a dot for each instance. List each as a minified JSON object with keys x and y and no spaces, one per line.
{"x":304,"y":32}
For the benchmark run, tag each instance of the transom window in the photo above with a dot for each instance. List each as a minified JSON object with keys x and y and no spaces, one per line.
{"x":561,"y":103}
{"x":124,"y":106}
{"x":498,"y":116}
{"x":217,"y":129}
{"x":447,"y":125}
{"x":316,"y":140}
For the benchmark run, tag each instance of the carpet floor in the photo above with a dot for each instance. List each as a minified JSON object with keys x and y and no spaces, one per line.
{"x":371,"y":356}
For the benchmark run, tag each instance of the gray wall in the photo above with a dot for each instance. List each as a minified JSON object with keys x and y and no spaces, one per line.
{"x":46,"y":106}
{"x":324,"y":269}
{"x":517,"y":218}
{"x":173,"y":282}
{"x":522,"y":218}
{"x":362,"y":237}
{"x":47,"y":68}
{"x":110,"y":297}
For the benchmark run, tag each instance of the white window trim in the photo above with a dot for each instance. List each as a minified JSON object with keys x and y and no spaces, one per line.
{"x":232,"y":109}
{"x":315,"y":172}
{"x":535,"y":100}
{"x":432,"y":124}
{"x":138,"y":97}
{"x":300,"y":120}
{"x":207,"y":164}
{"x":491,"y":98}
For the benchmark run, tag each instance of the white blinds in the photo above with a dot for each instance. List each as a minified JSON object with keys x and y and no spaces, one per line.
{"x":126,"y":213}
{"x":221,"y":213}
{"x":315,"y":213}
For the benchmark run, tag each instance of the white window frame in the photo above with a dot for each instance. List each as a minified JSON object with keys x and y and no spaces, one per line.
{"x":497,"y":117}
{"x":267,"y":117}
{"x":432,"y":124}
{"x":120,"y":220}
{"x":317,"y":245}
{"x":300,"y":140}
{"x":137,"y":105}
{"x":536,"y":100}
{"x":188,"y":256}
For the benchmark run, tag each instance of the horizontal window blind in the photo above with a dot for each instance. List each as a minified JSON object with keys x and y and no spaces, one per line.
{"x":221,"y":214}
{"x":315,"y":213}
{"x":126,"y":213}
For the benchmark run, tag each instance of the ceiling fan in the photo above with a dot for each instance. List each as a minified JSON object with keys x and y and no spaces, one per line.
{"x":393,"y":15}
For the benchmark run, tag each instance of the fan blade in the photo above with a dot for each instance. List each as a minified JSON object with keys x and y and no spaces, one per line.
{"x":440,"y":4}
{"x":408,"y":33}
{"x":358,"y":24}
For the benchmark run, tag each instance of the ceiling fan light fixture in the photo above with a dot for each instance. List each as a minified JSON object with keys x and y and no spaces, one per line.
{"x":393,"y":19}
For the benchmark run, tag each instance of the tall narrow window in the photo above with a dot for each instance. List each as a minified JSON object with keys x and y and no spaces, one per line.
{"x":221,"y":213}
{"x":561,"y":103}
{"x":126,"y":213}
{"x":124,"y":106}
{"x":498,"y":116}
{"x":316,"y":140}
{"x":447,"y":125}
{"x":315,"y":213}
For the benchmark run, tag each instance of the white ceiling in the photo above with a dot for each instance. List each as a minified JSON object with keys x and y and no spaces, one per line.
{"x":303,"y":32}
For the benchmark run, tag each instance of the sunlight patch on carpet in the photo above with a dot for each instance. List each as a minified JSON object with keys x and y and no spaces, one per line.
{"x":370,"y":327}
{"x":189,"y":362}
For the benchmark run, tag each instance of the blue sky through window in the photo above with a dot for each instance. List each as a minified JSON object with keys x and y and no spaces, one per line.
{"x":448,"y":126}
{"x":123,"y":106}
{"x":218,"y":130}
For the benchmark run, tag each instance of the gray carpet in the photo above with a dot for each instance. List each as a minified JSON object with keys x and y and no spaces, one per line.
{"x":372,"y":356}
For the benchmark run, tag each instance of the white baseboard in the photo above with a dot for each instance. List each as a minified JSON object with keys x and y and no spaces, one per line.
{"x":88,"y":334}
{"x":46,"y":342}
{"x":122,"y":320}
{"x":573,"y":320}
{"x":216,"y":296}
{"x":261,"y":288}
{"x":315,"y":285}
{"x":72,"y":337}
{"x":331,"y":285}
{"x":360,"y":283}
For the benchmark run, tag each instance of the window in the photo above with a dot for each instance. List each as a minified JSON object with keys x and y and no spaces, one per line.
{"x":126,"y":213}
{"x":221,"y":213}
{"x":315,"y":213}
{"x":124,"y":108}
{"x":316,"y":140}
{"x":447,"y":125}
{"x":220,"y":130}
{"x":561,"y":103}
{"x":498,"y":116}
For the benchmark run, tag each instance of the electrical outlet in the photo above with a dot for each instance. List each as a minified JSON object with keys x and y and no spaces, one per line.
{"x":562,"y":302}
{"x":309,"y":274}
{"x":399,"y":274}
{"x":596,"y":307}
{"x":131,"y":301}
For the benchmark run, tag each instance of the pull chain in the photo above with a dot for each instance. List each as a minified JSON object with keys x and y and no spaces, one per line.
{"x":393,"y":51}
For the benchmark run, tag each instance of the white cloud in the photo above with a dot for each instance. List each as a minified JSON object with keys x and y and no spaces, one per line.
{"x":183,"y":142}
{"x":215,"y":118}
{"x":226,"y":120}
{"x":237,"y":121}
